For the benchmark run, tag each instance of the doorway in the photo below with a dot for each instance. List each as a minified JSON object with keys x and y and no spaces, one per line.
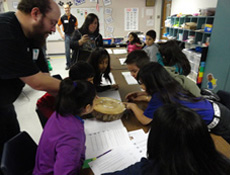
{"x":166,"y":11}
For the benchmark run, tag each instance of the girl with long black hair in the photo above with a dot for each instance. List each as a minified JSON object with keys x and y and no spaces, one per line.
{"x":179,"y":144}
{"x":163,"y":89}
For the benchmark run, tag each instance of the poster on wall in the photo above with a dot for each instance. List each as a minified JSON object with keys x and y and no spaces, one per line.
{"x":1,"y":6}
{"x":15,"y":5}
{"x":79,"y":2}
{"x":107,"y":2}
{"x":131,"y":19}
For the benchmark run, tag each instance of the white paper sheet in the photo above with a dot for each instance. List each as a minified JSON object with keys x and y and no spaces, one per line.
{"x":110,"y":93}
{"x":131,"y":19}
{"x":110,"y":29}
{"x":117,"y":159}
{"x":129,"y":78}
{"x":107,"y":2}
{"x":108,"y":11}
{"x":122,"y":61}
{"x":104,"y":82}
{"x":119,"y":51}
{"x":94,"y":125}
{"x":149,"y":12}
{"x":109,"y":19}
{"x":109,"y":51}
{"x":139,"y":139}
{"x":104,"y":140}
{"x":149,"y":22}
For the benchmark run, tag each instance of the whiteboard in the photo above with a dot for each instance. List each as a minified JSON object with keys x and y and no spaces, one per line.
{"x":80,"y":14}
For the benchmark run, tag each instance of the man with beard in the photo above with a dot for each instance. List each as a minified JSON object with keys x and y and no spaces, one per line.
{"x":22,"y":34}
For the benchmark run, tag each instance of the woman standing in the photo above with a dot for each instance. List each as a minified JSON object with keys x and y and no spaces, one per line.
{"x":85,"y":39}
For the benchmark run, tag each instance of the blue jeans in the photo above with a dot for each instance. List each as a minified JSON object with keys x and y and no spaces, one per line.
{"x":67,"y":49}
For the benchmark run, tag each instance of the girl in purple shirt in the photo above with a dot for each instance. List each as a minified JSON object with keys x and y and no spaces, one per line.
{"x":163,"y":89}
{"x":61,"y":149}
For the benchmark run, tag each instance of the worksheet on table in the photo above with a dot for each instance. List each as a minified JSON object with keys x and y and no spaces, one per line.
{"x":116,"y":159}
{"x":129,"y":78}
{"x":101,"y":141}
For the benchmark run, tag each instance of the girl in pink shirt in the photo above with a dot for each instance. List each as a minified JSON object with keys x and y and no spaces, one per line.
{"x":134,"y":42}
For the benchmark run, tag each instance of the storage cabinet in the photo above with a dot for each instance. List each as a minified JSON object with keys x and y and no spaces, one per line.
{"x":194,"y":59}
{"x":176,"y":29}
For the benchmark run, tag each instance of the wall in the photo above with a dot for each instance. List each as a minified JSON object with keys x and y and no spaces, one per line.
{"x":191,"y":6}
{"x":118,"y":7}
{"x":218,"y":58}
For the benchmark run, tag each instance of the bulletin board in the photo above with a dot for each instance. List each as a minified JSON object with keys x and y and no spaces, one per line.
{"x":80,"y":14}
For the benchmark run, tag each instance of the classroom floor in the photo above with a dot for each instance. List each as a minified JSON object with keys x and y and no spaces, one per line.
{"x":26,"y":103}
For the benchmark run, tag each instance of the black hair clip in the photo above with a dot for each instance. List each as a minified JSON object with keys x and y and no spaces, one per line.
{"x":69,"y":3}
{"x":60,"y":3}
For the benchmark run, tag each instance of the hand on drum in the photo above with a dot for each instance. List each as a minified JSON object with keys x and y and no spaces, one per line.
{"x":129,"y":105}
{"x":136,"y":96}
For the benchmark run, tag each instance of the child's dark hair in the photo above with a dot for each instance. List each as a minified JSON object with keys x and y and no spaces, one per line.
{"x":97,"y":56}
{"x":136,"y":38}
{"x":73,"y":96}
{"x":157,"y":80}
{"x":137,"y":57}
{"x":152,"y":34}
{"x":81,"y":71}
{"x":173,"y":55}
{"x":179,"y":142}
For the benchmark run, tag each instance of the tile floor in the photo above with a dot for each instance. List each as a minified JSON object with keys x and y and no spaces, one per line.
{"x":26,"y":103}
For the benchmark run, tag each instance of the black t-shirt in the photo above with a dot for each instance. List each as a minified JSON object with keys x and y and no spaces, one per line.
{"x":69,"y":26}
{"x":18,"y":58}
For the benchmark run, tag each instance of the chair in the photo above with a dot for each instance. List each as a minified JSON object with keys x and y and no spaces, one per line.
{"x":41,"y":117}
{"x":224,"y":98}
{"x":18,"y":156}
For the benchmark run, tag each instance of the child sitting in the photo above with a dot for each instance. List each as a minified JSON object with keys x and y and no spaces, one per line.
{"x":172,"y":55}
{"x":79,"y":71}
{"x":151,"y":48}
{"x":163,"y":89}
{"x":138,"y":59}
{"x":61,"y":149}
{"x":99,"y":59}
{"x":134,"y":43}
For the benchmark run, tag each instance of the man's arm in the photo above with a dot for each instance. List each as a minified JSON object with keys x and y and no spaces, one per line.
{"x":60,"y":32}
{"x":42,"y":82}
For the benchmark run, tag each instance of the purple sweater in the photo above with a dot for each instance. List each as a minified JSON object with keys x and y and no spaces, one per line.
{"x":61,"y":149}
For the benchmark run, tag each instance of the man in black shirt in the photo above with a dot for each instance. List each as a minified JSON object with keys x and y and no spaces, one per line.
{"x":69,"y":23}
{"x":22,"y":34}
